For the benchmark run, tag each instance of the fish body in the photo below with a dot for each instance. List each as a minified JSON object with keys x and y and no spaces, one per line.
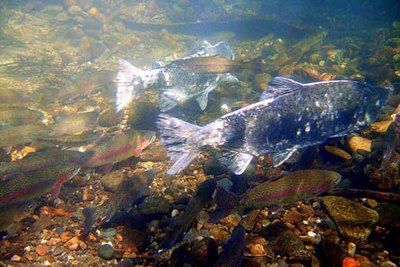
{"x":128,"y":192}
{"x":41,"y":160}
{"x":119,"y":147}
{"x":290,"y":116}
{"x":180,"y":224}
{"x":27,"y":187}
{"x":19,"y":116}
{"x":18,"y":193}
{"x":12,"y":97}
{"x":233,"y":250}
{"x":22,"y":134}
{"x":295,"y":186}
{"x":75,"y":124}
{"x":193,"y":76}
{"x":290,"y":188}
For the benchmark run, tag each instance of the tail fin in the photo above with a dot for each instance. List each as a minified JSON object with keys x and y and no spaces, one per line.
{"x":125,"y":83}
{"x":179,"y":138}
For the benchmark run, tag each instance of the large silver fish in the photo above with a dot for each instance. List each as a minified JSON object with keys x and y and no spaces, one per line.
{"x":290,"y":116}
{"x":177,"y":82}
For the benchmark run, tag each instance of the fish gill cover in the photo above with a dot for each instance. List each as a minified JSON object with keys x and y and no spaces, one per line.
{"x":201,"y":133}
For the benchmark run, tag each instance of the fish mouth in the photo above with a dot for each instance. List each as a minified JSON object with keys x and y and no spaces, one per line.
{"x":339,"y":179}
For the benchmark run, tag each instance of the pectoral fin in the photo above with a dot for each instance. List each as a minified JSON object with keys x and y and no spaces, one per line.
{"x":202,"y":100}
{"x":235,"y":161}
{"x":280,"y":157}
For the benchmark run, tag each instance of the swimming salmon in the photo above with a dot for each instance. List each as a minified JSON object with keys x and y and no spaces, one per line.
{"x":290,"y":116}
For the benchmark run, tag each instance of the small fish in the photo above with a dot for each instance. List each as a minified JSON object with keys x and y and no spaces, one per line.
{"x":90,"y":216}
{"x":119,"y":147}
{"x":288,"y":189}
{"x":41,"y":160}
{"x":86,"y":83}
{"x":128,"y":192}
{"x":192,"y":76}
{"x":75,"y":124}
{"x":290,"y":116}
{"x":28,"y":186}
{"x":22,"y":134}
{"x":233,"y":250}
{"x":68,"y":140}
{"x":22,"y":190}
{"x":19,"y":115}
{"x":180,"y":224}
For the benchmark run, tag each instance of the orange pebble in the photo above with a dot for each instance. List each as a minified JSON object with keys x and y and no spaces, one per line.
{"x":350,"y":262}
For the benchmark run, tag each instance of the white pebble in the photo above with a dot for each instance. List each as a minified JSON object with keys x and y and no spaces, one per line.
{"x":174,"y":213}
{"x":311,"y":234}
{"x":15,"y":258}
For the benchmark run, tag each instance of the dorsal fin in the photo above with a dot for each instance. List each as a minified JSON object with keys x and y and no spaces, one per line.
{"x":280,"y":86}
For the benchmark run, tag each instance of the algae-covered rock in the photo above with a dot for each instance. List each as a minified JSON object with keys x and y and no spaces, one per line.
{"x":353,"y":220}
{"x":112,"y":180}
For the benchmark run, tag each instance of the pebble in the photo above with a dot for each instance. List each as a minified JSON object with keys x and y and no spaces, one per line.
{"x":74,"y":10}
{"x":364,"y":261}
{"x":112,"y":180}
{"x":41,"y":250}
{"x":351,"y":249}
{"x":106,"y":251}
{"x":256,"y":250}
{"x":73,"y":246}
{"x":174,"y":213}
{"x":231,"y":220}
{"x":15,"y":258}
{"x":387,"y":264}
{"x":58,"y":251}
{"x":359,"y":143}
{"x":108,"y":232}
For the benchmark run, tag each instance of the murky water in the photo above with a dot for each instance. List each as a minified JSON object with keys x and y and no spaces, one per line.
{"x":87,"y":159}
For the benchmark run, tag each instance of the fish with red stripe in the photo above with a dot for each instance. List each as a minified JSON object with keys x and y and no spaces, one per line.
{"x":118,"y":147}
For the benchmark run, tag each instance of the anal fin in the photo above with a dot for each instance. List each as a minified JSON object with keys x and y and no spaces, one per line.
{"x":235,"y":161}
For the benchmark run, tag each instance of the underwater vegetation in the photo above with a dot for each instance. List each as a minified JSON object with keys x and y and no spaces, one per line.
{"x":199,"y":133}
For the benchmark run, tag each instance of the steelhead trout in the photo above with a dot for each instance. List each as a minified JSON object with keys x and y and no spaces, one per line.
{"x":23,"y":134}
{"x":119,"y":147}
{"x":292,"y":187}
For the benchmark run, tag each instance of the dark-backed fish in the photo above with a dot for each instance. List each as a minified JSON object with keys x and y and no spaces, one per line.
{"x":179,"y":225}
{"x":290,"y":116}
{"x":233,"y":250}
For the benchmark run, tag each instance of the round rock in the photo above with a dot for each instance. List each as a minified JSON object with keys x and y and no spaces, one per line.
{"x":106,"y":251}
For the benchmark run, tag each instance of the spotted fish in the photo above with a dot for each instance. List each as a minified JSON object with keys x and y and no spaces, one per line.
{"x":194,"y":76}
{"x":290,"y":116}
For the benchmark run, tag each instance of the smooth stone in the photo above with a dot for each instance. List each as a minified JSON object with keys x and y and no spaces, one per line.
{"x":112,"y":180}
{"x":106,"y":251}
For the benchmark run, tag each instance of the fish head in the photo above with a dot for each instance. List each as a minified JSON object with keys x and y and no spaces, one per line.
{"x":144,"y":139}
